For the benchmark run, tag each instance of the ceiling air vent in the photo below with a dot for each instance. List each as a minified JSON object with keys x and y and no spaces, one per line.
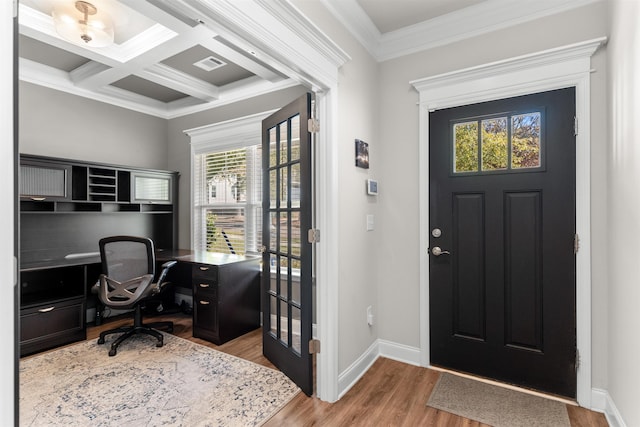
{"x":210,"y":63}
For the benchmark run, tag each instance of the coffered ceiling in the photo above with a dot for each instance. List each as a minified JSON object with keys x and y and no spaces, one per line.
{"x":163,"y":62}
{"x":176,"y":57}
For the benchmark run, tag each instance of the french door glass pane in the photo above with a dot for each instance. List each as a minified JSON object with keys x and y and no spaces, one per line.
{"x":283,"y":230}
{"x":296,"y":330}
{"x":273,"y":235}
{"x":284,"y":146}
{"x":295,"y":138}
{"x":273,"y":327}
{"x":273,"y":189}
{"x":295,"y":234}
{"x":295,"y":290}
{"x":295,"y":185}
{"x":273,"y":157}
{"x":284,"y":184}
{"x":283,"y":323}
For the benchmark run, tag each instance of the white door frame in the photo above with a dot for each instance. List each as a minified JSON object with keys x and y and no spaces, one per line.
{"x":301,"y":51}
{"x":568,"y":66}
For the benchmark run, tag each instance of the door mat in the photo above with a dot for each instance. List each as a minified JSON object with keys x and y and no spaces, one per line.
{"x":494,"y":405}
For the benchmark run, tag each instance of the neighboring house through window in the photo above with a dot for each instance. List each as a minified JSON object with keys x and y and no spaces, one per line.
{"x":227,"y":210}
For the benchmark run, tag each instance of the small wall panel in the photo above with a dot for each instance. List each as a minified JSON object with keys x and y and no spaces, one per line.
{"x":523,"y":269}
{"x":468,"y":266}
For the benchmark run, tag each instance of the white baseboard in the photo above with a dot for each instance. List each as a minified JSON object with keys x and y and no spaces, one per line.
{"x":353,"y":373}
{"x":380,"y":348}
{"x":601,"y":401}
{"x":400,"y":352}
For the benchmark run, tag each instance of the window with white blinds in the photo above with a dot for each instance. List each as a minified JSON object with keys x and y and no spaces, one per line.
{"x":227,"y":201}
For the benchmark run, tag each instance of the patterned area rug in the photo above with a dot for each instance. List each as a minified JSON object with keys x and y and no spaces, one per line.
{"x":179,"y":384}
{"x":496,"y":406}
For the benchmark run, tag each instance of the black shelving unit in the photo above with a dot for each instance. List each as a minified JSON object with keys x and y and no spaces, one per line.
{"x":59,"y":234}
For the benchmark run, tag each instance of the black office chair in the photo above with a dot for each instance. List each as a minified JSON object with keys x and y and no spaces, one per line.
{"x":128,"y":267}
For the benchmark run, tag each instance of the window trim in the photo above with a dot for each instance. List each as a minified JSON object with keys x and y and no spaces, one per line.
{"x":227,"y":135}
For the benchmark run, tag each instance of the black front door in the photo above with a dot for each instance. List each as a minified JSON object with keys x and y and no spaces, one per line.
{"x":286,"y":260}
{"x":502,"y":224}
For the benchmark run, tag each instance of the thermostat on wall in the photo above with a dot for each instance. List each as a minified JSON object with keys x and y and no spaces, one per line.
{"x":372,"y":187}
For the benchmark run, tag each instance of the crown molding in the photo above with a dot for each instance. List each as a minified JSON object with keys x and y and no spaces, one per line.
{"x":354,"y":18}
{"x":471,"y":83}
{"x":485,"y":17}
{"x":278,"y":34}
{"x":289,"y":50}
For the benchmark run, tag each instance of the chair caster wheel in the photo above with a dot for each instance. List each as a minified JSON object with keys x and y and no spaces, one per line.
{"x":170,"y":330}
{"x":100,"y":340}
{"x":159,"y":344}
{"x":112,"y":352}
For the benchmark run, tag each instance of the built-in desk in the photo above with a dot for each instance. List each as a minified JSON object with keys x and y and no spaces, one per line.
{"x":53,"y":301}
{"x":226,"y":291}
{"x":53,"y":296}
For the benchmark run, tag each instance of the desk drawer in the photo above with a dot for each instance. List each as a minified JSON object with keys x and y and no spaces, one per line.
{"x":205,"y":318}
{"x":52,"y":325}
{"x":205,"y":287}
{"x":204,"y":272}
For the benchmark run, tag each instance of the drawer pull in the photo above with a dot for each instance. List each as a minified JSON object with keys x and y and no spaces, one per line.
{"x":46,"y":310}
{"x":204,"y":285}
{"x":38,"y":199}
{"x":204,"y":268}
{"x":204,"y":302}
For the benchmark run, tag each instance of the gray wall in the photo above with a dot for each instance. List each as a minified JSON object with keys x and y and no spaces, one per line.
{"x":57,"y":124}
{"x":377,"y":104}
{"x":398,"y":286}
{"x":356,"y":118}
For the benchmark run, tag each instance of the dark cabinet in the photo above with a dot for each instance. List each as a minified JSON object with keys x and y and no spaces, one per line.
{"x":60,"y":185}
{"x":52,"y":325}
{"x":151,"y":188}
{"x":43,"y":180}
{"x":226,"y":300}
{"x":66,"y":207}
{"x":52,"y":307}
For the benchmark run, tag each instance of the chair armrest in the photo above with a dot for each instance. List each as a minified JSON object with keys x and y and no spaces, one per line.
{"x":169,"y":264}
{"x":165,"y":269}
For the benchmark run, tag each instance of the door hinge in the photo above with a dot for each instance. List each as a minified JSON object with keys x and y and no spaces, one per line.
{"x":313,"y":125}
{"x":576,"y":243}
{"x":313,"y":235}
{"x":575,"y":125}
{"x":314,"y":346}
{"x":577,"y":358}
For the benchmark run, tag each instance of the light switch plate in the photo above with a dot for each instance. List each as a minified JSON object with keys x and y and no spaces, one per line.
{"x":370,"y":222}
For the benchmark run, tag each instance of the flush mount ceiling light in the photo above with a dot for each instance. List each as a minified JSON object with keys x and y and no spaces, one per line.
{"x":80,"y":23}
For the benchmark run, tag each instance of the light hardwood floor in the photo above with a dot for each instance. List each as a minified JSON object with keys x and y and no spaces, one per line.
{"x":389,"y":394}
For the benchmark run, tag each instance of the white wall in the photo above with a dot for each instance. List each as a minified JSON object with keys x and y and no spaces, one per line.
{"x":8,"y":351}
{"x":624,"y":210}
{"x":398,"y":240}
{"x":58,"y":124}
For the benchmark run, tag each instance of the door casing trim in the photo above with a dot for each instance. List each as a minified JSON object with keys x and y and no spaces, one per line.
{"x":567,"y":66}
